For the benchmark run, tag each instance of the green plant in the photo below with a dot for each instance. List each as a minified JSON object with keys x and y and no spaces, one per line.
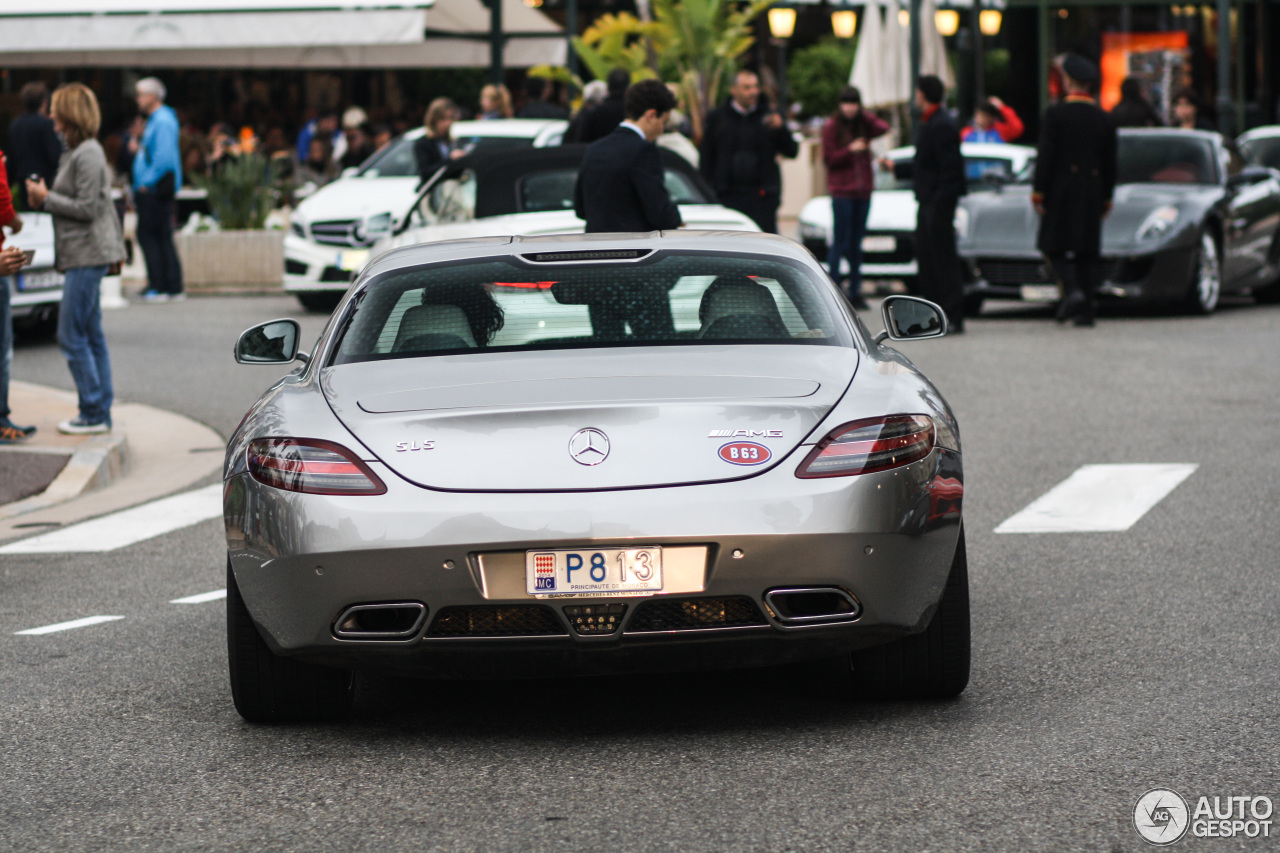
{"x":817,"y":74}
{"x":239,"y":192}
{"x":617,"y":41}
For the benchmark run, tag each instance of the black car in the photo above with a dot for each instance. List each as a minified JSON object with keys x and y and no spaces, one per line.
{"x":1191,"y":220}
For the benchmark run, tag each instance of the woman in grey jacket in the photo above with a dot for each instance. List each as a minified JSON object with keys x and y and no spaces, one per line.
{"x":86,"y":241}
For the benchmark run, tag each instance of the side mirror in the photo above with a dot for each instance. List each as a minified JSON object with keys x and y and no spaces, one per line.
{"x":350,"y":172}
{"x":275,"y":342}
{"x":1251,"y":174}
{"x":908,"y":318}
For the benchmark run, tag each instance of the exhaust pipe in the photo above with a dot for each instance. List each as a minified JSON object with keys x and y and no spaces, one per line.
{"x":813,"y":605}
{"x":398,"y":620}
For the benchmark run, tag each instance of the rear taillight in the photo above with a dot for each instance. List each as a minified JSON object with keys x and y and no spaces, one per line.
{"x":311,"y":465}
{"x":875,"y":444}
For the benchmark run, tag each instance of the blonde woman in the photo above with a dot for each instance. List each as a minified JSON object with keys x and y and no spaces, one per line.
{"x":437,"y":146}
{"x":86,"y":241}
{"x":495,"y":102}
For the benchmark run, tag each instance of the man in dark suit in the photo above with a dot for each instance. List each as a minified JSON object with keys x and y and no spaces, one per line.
{"x":602,"y":120}
{"x":1075,"y":179}
{"x":939,"y":183}
{"x":34,"y":146}
{"x":620,"y":183}
{"x":536,"y":104}
{"x":741,"y":143}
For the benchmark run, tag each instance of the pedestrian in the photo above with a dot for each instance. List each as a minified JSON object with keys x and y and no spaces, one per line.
{"x":592,"y":94}
{"x":1074,"y":181}
{"x":495,"y":102}
{"x":358,"y":139}
{"x":34,"y":146}
{"x":939,"y":182}
{"x":620,"y":182}
{"x":602,"y":120}
{"x":993,"y":121}
{"x":11,"y":260}
{"x":325,"y":126}
{"x":86,"y":241}
{"x":436,"y":146}
{"x":536,"y":90}
{"x":741,"y":142}
{"x":673,"y":140}
{"x":157,"y":177}
{"x":1133,"y":109}
{"x":1186,"y":112}
{"x":317,"y":170}
{"x":846,"y":150}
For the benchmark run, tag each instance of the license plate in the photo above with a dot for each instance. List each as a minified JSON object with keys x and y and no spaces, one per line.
{"x":1039,"y":293}
{"x":879,"y":244}
{"x":352,"y":261}
{"x":43,"y":280}
{"x":597,"y":572}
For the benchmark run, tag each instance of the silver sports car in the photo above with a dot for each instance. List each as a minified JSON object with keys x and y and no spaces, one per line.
{"x":594,"y":454}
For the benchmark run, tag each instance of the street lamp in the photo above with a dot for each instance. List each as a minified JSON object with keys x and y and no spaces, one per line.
{"x":989,"y":22}
{"x":844,"y":22}
{"x":947,"y":21}
{"x":782,"y":23}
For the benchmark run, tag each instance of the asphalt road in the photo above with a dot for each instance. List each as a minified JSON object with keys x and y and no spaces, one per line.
{"x":1105,"y":664}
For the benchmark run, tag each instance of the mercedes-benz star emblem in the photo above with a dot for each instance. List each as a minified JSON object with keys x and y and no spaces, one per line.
{"x":589,"y":446}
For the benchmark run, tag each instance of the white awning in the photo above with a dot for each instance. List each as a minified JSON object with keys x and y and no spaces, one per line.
{"x":316,"y":38}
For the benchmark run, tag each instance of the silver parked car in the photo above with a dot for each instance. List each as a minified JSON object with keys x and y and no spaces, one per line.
{"x":591,"y":454}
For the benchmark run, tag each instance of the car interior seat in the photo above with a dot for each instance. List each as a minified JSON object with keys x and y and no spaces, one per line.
{"x":736,"y":307}
{"x":433,"y":327}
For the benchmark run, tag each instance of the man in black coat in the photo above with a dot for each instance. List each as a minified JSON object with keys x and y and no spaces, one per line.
{"x":939,"y":182}
{"x":1075,"y":179}
{"x":620,"y":183}
{"x":610,"y":112}
{"x":536,"y":105}
{"x":741,"y":143}
{"x":34,"y":146}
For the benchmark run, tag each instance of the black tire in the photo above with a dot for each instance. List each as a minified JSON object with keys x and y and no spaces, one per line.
{"x":268,"y":688}
{"x":1205,"y":286}
{"x":319,"y":301}
{"x":933,"y":664}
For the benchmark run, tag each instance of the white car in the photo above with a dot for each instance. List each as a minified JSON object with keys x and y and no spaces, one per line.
{"x":888,"y":248}
{"x":35,"y":291}
{"x":339,"y":222}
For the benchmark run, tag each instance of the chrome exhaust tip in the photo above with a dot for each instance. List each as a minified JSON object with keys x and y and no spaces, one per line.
{"x":396,"y":620}
{"x":812,"y":605}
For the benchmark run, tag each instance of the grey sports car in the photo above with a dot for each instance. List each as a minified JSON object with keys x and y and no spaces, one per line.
{"x":594,"y":454}
{"x":1191,"y":220}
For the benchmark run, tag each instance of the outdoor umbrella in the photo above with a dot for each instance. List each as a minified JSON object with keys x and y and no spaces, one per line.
{"x":933,"y":53}
{"x":897,"y":55}
{"x":869,"y":71}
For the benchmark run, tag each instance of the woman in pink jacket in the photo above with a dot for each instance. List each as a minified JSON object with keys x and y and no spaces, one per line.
{"x":846,"y":150}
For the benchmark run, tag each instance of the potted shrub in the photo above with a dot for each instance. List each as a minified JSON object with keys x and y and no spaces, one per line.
{"x":239,"y":253}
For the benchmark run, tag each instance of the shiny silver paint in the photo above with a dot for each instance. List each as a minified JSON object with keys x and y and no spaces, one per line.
{"x":301,"y":560}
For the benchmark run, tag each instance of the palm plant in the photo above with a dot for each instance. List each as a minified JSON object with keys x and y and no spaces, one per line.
{"x":240,"y":192}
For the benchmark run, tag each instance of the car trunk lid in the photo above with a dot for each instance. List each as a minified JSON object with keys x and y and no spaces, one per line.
{"x":660,"y":416}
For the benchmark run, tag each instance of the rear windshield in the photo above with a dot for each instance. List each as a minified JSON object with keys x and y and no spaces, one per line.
{"x":670,"y":299}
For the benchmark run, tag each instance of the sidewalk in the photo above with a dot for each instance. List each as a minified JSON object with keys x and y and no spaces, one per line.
{"x":67,"y":478}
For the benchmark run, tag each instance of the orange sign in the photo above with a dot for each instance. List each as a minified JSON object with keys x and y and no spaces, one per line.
{"x":1117,"y":50}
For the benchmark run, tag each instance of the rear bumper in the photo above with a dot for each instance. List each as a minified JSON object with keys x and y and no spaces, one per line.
{"x":1156,"y":277}
{"x":888,"y":539}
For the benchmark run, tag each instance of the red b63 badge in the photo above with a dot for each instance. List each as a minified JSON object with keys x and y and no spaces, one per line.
{"x":745,"y":453}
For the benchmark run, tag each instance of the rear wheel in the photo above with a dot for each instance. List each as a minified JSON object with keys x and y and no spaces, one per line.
{"x":930,"y":665}
{"x":320,"y":301}
{"x":268,"y":688}
{"x":1206,"y":278}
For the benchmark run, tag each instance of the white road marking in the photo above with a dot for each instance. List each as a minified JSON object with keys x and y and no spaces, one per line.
{"x":67,"y":626}
{"x":201,"y":598}
{"x":128,"y":526}
{"x":1098,"y":498}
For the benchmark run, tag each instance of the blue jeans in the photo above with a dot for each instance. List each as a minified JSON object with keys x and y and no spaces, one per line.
{"x":6,"y":346}
{"x":82,"y":343}
{"x":848,"y":226}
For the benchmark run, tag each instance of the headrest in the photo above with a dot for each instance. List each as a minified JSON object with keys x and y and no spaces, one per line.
{"x":435,"y":320}
{"x":730,"y":295}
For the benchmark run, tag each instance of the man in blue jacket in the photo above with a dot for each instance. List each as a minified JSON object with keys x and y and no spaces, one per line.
{"x":157,"y":175}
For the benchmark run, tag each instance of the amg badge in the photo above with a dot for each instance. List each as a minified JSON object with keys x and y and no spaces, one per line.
{"x":745,"y":433}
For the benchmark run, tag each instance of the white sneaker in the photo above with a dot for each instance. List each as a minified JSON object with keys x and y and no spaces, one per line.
{"x":79,"y":426}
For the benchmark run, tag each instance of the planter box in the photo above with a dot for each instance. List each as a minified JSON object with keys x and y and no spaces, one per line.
{"x":232,"y":260}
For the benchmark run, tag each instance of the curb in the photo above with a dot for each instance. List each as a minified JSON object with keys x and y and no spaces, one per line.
{"x":95,"y":464}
